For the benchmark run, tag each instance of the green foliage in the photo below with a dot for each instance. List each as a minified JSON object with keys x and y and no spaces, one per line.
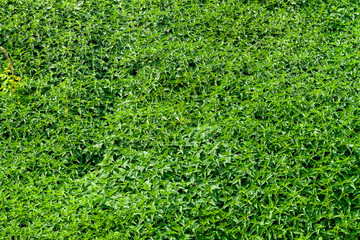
{"x":6,"y":81}
{"x":154,"y":119}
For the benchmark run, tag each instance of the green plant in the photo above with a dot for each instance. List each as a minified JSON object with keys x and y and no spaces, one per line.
{"x":7,"y":78}
{"x":204,"y":119}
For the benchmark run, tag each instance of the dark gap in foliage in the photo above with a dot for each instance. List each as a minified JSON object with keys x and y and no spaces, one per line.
{"x":133,"y":72}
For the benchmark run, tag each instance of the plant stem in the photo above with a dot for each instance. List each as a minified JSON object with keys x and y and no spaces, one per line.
{"x":11,"y":67}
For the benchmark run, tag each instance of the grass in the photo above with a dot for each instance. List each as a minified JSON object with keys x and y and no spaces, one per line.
{"x":181,"y":120}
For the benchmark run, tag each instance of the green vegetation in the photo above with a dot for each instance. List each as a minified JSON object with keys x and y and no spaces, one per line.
{"x":180,"y":119}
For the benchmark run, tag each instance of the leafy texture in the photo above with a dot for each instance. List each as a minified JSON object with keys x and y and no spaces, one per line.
{"x":181,"y":120}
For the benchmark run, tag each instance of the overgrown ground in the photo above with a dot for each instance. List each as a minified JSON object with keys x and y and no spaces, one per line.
{"x":181,"y":119}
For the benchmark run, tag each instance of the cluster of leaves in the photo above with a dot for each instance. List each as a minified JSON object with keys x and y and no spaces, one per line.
{"x":6,"y":81}
{"x":181,"y":119}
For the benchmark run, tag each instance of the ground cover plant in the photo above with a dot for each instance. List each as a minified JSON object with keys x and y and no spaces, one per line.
{"x":180,"y":120}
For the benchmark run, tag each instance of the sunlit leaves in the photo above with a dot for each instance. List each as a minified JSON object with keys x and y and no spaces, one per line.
{"x":175,"y":120}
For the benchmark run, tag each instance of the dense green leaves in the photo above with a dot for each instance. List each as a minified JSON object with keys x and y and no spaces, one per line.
{"x":181,"y":120}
